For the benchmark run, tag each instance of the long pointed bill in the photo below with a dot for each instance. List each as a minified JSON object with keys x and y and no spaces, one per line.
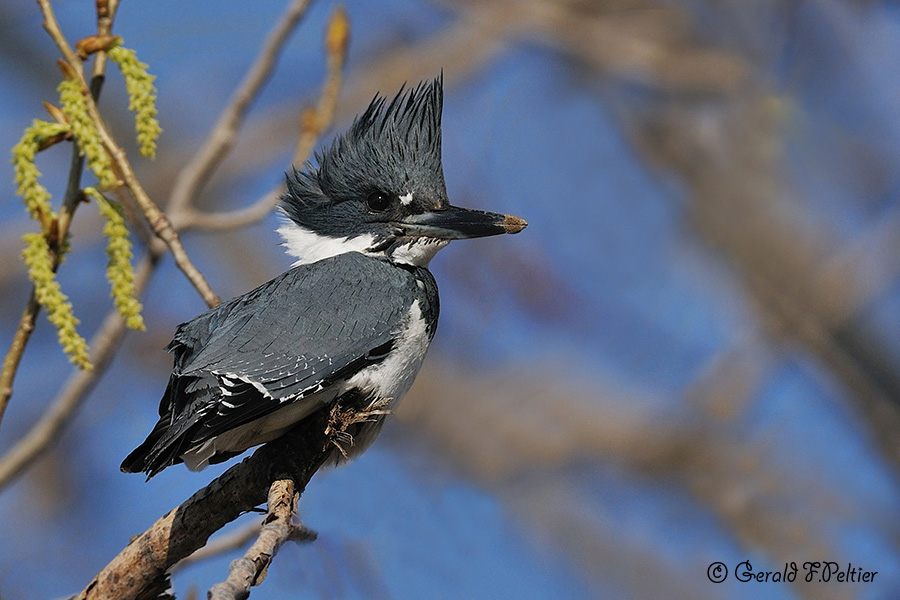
{"x":453,"y":223}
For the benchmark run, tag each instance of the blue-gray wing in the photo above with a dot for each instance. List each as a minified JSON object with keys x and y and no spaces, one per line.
{"x":285,"y":340}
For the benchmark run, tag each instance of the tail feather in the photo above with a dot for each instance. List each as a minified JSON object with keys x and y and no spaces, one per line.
{"x":160,"y":450}
{"x":170,"y":437}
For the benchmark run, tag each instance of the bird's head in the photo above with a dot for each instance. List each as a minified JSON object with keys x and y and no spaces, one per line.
{"x":379,"y":188}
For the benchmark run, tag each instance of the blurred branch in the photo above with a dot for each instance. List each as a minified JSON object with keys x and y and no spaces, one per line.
{"x":296,"y":456}
{"x":574,"y":424}
{"x":484,"y":29}
{"x":314,"y":122}
{"x":738,"y":475}
{"x":278,"y":527}
{"x":651,"y":44}
{"x":533,"y":433}
{"x":104,"y":345}
{"x":872,"y":260}
{"x":220,"y":545}
{"x":804,"y":289}
{"x":460,"y":50}
{"x":197,"y":172}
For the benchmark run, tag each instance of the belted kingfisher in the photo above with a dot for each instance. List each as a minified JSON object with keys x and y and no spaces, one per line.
{"x":350,"y":322}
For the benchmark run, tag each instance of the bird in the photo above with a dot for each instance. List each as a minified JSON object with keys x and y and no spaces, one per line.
{"x":350,"y":322}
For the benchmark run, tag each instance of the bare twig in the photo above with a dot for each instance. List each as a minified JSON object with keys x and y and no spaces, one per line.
{"x":103,"y":347}
{"x":197,"y":172}
{"x":234,"y":219}
{"x":314,"y":123}
{"x":250,"y":569}
{"x":16,"y":349}
{"x":157,"y":220}
{"x":52,"y":28}
{"x":461,"y":49}
{"x":106,"y":12}
{"x":295,"y":456}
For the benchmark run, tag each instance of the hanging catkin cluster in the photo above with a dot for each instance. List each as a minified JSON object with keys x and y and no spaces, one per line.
{"x":74,"y":122}
{"x":141,"y":98}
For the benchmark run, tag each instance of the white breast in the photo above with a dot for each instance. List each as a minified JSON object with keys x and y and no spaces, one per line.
{"x":388,"y":380}
{"x":392,"y":377}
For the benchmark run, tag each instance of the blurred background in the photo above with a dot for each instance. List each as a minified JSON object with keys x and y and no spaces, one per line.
{"x":691,"y":355}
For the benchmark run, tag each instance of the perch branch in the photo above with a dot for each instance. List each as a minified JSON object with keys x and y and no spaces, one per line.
{"x":278,"y":527}
{"x":296,"y":456}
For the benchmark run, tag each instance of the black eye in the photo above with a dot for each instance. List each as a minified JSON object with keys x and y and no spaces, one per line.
{"x":378,"y":202}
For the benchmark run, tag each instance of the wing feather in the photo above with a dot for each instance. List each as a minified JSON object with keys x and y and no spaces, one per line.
{"x":276,"y":345}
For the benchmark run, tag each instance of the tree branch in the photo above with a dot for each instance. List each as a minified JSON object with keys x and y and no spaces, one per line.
{"x":221,"y":544}
{"x":52,"y":27}
{"x":314,"y":122}
{"x":105,"y":343}
{"x":71,"y":202}
{"x":293,"y":458}
{"x":16,"y":349}
{"x":103,"y":347}
{"x":221,"y":139}
{"x":277,"y":528}
{"x":158,"y":221}
{"x":296,"y":456}
{"x":106,"y":12}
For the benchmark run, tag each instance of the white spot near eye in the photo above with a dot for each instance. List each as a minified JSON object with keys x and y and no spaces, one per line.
{"x":406,"y":199}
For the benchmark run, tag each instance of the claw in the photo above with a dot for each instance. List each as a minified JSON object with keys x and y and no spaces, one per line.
{"x":342,"y":418}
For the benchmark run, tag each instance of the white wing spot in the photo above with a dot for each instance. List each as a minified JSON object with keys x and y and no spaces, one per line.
{"x":233,"y":380}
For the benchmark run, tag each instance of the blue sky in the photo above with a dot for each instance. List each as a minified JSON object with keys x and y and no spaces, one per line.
{"x":628,"y":417}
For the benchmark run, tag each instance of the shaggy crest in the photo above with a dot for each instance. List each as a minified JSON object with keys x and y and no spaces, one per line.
{"x":394,"y":147}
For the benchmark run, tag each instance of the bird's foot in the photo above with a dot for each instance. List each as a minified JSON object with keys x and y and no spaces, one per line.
{"x":342,"y":418}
